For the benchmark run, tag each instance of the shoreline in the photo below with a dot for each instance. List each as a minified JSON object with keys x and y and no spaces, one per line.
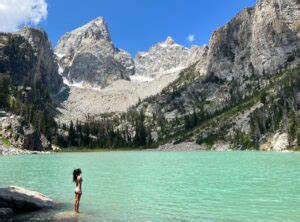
{"x":11,"y":151}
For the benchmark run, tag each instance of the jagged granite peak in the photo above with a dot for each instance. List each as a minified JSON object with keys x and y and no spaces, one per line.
{"x":46,"y":67}
{"x":168,"y":42}
{"x":164,"y":57}
{"x":87,"y":54}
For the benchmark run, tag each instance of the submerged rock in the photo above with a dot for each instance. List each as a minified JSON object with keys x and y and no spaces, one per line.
{"x":22,"y":200}
{"x":6,"y":214}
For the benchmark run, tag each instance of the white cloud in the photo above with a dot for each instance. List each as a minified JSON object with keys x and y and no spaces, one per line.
{"x":17,"y":13}
{"x":191,"y":38}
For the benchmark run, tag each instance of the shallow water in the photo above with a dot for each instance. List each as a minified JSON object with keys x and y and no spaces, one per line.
{"x":166,"y":186}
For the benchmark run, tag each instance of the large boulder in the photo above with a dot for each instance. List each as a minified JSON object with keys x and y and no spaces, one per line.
{"x":22,"y":135}
{"x":21,"y":200}
{"x":276,"y":142}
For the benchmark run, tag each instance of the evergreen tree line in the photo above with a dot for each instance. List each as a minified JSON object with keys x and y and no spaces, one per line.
{"x":124,"y":131}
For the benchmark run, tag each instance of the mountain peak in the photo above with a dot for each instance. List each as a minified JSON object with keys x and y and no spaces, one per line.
{"x":87,"y":54}
{"x":99,"y":21}
{"x":95,"y":29}
{"x":169,"y":40}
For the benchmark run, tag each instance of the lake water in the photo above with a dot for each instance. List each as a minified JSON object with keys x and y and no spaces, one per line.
{"x":166,"y":186}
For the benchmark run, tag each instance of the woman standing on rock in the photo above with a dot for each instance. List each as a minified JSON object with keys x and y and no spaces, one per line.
{"x":77,"y":179}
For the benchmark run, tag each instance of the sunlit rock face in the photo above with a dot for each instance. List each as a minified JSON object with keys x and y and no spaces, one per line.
{"x":259,"y":40}
{"x":87,"y":54}
{"x":164,"y":58}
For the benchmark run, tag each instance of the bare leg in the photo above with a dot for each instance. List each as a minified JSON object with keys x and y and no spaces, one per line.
{"x":76,"y":203}
{"x":79,"y":196}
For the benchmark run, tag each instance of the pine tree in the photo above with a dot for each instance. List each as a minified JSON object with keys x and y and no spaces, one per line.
{"x":4,"y":90}
{"x":292,"y":126}
{"x":72,"y":134}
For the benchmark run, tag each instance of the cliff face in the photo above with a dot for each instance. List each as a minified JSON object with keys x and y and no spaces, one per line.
{"x":259,"y":40}
{"x":27,"y":57}
{"x":17,"y":58}
{"x":88,"y":55}
{"x":46,"y":66}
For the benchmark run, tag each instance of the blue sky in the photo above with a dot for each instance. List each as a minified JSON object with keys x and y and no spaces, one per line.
{"x":135,"y":25}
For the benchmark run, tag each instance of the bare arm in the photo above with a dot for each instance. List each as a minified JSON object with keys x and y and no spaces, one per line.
{"x":79,"y":182}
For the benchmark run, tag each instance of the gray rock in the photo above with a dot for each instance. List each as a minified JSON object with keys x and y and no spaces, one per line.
{"x":22,"y":135}
{"x":17,"y":58}
{"x":27,"y":56}
{"x":260,"y":40}
{"x":88,"y":55}
{"x":22,"y":200}
{"x":6,"y":214}
{"x":184,"y":146}
{"x":164,"y":57}
{"x":46,"y":64}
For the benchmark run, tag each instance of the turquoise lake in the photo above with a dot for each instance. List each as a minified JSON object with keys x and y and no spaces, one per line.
{"x":165,"y":186}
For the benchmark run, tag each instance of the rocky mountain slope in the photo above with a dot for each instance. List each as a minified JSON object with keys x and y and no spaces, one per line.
{"x":258,"y":43}
{"x":98,"y":89}
{"x":165,"y":58}
{"x":87,"y":55}
{"x":243,"y":58}
{"x":80,"y":102}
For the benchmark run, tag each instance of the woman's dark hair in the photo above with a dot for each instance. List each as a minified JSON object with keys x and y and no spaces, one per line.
{"x":76,"y":173}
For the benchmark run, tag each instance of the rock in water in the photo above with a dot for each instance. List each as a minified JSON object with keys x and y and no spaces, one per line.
{"x":87,"y":55}
{"x":6,"y":214}
{"x":22,"y":200}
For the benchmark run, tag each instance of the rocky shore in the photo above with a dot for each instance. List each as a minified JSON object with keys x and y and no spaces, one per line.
{"x":16,"y":200}
{"x":192,"y":146}
{"x":16,"y":137}
{"x":8,"y":151}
